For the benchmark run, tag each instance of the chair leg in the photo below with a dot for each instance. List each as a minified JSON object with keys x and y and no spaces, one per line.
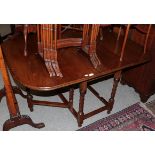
{"x":117,"y":41}
{"x":101,"y":33}
{"x":83,"y":89}
{"x":25,"y":37}
{"x":124,"y":42}
{"x":89,"y":43}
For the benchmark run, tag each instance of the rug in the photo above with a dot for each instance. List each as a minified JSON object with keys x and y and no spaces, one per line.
{"x":133,"y":118}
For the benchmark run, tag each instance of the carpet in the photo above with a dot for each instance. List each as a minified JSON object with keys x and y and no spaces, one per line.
{"x":133,"y":118}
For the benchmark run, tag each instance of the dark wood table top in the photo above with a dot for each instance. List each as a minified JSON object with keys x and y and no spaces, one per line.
{"x":30,"y":71}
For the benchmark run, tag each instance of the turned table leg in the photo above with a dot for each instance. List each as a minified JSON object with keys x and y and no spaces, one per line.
{"x":117,"y":77}
{"x":29,"y":100}
{"x":71,"y":95}
{"x":83,"y":89}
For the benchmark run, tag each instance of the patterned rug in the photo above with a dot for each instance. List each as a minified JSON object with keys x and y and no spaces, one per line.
{"x":133,"y":118}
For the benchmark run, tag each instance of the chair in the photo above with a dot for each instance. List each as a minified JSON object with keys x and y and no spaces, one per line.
{"x":126,"y":36}
{"x":89,"y":42}
{"x":49,"y":43}
{"x":47,"y":47}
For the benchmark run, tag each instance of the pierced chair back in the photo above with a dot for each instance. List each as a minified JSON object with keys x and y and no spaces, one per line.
{"x":146,"y":33}
{"x":90,"y":33}
{"x":49,"y":41}
{"x":47,"y":47}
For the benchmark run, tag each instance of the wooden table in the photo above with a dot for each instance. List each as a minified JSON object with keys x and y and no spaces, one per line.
{"x":30,"y":71}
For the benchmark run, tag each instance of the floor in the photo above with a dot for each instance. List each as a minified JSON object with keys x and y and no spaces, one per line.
{"x":59,"y":119}
{"x":5,"y":29}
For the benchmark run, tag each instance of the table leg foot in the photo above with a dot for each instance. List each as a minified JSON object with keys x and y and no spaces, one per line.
{"x":109,"y":111}
{"x":110,"y":105}
{"x":80,"y":119}
{"x":20,"y":120}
